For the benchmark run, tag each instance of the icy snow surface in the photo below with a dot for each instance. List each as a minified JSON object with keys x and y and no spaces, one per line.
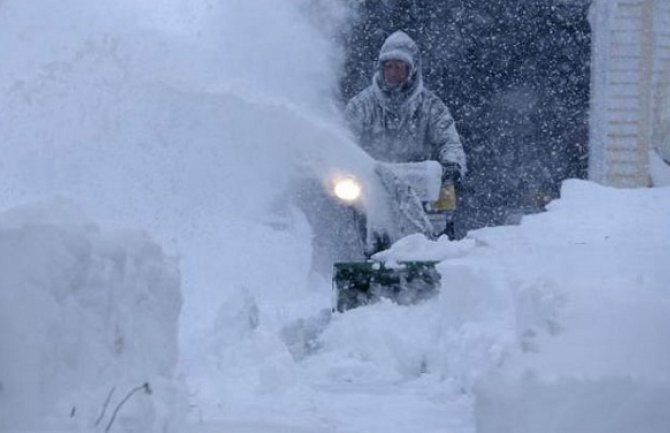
{"x":191,"y":120}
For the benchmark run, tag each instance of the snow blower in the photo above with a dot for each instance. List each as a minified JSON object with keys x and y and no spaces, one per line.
{"x":416,"y":202}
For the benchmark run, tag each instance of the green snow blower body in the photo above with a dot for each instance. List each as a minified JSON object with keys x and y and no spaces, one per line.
{"x":361,"y":283}
{"x":418,"y":203}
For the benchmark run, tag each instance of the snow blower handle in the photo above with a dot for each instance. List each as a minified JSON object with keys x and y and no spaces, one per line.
{"x":446,"y":202}
{"x":451,"y":174}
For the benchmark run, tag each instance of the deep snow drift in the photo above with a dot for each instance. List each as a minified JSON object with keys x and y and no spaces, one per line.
{"x":591,"y":284}
{"x":86,"y":316}
{"x":539,"y":327}
{"x":192,"y":121}
{"x":188,"y":120}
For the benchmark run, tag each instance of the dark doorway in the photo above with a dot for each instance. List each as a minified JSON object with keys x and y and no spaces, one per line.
{"x":516,"y":77}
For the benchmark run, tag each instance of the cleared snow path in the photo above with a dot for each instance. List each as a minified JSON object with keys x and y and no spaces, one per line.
{"x":539,"y":327}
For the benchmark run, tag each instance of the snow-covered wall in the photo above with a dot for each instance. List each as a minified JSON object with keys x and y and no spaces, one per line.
{"x":86,"y":316}
{"x":629,"y":89}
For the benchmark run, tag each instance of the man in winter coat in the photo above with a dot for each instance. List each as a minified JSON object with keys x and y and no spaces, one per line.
{"x":396,"y":119}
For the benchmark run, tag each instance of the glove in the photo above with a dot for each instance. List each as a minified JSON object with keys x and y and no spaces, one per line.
{"x":451,"y":173}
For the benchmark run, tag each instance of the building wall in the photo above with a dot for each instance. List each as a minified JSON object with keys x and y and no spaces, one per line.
{"x":629,"y":102}
{"x":661,"y":93}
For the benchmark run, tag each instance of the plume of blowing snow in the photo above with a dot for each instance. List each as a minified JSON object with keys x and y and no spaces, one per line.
{"x":189,"y":119}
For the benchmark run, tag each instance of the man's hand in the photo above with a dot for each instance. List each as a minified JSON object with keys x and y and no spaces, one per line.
{"x":451,"y":173}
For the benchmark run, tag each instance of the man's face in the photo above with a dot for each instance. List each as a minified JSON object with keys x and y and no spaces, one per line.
{"x":395,"y":72}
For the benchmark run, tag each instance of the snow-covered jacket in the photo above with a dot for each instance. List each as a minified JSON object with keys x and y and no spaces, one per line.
{"x":407,"y":123}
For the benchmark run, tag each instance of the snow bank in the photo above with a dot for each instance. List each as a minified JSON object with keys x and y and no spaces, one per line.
{"x":86,"y":316}
{"x":592,"y":353}
{"x":558,"y":324}
{"x":190,"y":120}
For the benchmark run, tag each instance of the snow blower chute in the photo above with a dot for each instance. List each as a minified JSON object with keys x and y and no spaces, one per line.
{"x":416,"y":202}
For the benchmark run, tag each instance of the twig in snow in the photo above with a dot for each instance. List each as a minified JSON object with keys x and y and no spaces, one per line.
{"x":104,"y":406}
{"x":144,"y":386}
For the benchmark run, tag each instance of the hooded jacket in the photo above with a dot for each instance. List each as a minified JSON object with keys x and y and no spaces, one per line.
{"x":407,"y":123}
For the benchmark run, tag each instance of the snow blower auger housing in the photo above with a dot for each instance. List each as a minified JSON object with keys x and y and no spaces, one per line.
{"x":417,"y":202}
{"x":362,"y":283}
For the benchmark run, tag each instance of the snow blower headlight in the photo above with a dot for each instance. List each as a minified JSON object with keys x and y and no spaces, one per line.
{"x":347,"y":189}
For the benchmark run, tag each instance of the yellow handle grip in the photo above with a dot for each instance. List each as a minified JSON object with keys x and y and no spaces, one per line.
{"x":447,"y":199}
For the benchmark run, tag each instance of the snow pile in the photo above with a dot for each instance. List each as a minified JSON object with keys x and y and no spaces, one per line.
{"x":595,"y":357}
{"x":546,"y":326}
{"x":193,"y":120}
{"x":85,"y":317}
{"x":190,"y":120}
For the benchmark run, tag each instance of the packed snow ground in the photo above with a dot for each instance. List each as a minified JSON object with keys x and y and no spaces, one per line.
{"x":191,"y":121}
{"x":546,"y":326}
